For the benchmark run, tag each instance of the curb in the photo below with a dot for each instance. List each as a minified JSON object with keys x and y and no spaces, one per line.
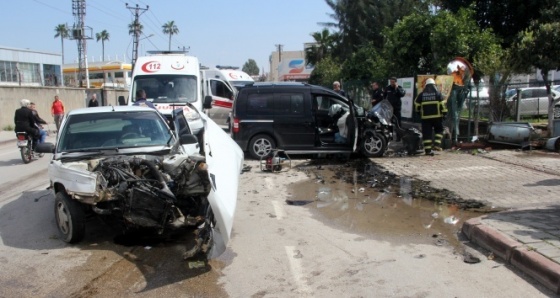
{"x":542,"y":269}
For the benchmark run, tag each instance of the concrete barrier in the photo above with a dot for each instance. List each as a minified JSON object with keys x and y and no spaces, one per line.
{"x":73,"y":98}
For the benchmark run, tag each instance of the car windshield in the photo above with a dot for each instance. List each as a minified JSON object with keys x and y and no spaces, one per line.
{"x":167,"y":88}
{"x":113,"y":130}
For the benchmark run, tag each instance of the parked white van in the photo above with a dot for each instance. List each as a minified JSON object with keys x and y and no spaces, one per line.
{"x":171,"y":79}
{"x":222,"y":84}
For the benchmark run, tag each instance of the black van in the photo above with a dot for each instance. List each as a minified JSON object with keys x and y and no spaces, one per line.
{"x":295,"y":117}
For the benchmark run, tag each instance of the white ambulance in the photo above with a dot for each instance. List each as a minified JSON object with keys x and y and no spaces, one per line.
{"x":171,"y":79}
{"x":222,"y":84}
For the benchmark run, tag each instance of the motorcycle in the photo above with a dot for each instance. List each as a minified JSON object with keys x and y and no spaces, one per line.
{"x":378,"y":132}
{"x":25,"y":145}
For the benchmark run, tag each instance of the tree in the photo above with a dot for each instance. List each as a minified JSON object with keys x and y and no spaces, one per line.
{"x":103,"y":36}
{"x":539,"y":47}
{"x":135,"y":26}
{"x":325,"y":72}
{"x":251,"y":67}
{"x":170,"y":28}
{"x":325,"y":42}
{"x":362,"y":21}
{"x":62,"y":32}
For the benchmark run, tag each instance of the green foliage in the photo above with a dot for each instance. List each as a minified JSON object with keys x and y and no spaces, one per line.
{"x":251,"y":67}
{"x":8,"y":128}
{"x":326,"y":72}
{"x":103,"y":36}
{"x":135,"y":26}
{"x":365,"y":65}
{"x":61,"y":31}
{"x":325,"y":43}
{"x":170,"y":29}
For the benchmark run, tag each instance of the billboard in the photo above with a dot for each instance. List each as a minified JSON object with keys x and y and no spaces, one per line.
{"x":294,"y":69}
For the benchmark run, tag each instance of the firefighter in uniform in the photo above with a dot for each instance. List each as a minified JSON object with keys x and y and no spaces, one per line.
{"x":429,"y":103}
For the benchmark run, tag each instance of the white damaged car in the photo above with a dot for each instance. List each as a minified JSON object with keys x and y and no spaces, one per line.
{"x":126,"y":163}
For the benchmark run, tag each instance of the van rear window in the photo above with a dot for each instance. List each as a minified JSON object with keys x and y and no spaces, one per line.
{"x":260,"y":104}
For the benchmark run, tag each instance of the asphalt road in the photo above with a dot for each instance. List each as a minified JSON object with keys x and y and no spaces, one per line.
{"x":277,"y":250}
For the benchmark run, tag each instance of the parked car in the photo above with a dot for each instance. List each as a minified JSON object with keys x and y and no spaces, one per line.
{"x":126,"y":163}
{"x":295,"y":117}
{"x":534,"y":102}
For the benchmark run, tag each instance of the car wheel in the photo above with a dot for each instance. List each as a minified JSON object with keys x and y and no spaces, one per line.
{"x":70,"y":218}
{"x":556,"y":112}
{"x":261,"y":146}
{"x":374,"y":145}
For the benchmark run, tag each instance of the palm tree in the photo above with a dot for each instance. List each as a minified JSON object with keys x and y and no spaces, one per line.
{"x":135,"y":26}
{"x":62,"y":32}
{"x":170,"y":28}
{"x":103,"y":36}
{"x":324,"y":41}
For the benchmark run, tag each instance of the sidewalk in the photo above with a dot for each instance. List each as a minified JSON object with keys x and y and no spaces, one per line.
{"x":527,"y":236}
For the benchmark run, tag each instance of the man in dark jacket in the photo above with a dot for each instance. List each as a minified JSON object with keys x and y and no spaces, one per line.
{"x":93,"y":101}
{"x":39,"y":122}
{"x":25,"y":121}
{"x":393,"y":93}
{"x":376,"y":94}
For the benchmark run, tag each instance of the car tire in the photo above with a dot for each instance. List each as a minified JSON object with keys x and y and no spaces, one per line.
{"x":374,"y":145}
{"x":556,"y":112}
{"x":261,"y":146}
{"x":70,"y":218}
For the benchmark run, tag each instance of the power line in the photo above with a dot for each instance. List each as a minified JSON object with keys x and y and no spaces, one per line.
{"x":50,"y":6}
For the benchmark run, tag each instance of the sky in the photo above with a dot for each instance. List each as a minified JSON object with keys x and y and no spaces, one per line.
{"x":218,"y":32}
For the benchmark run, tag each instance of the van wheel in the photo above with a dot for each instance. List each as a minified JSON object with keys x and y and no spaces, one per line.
{"x":374,"y":145}
{"x":261,"y":146}
{"x":556,"y":112}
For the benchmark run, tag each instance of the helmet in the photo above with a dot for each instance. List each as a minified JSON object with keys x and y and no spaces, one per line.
{"x":25,"y":102}
{"x":334,"y":109}
{"x":430,"y":81}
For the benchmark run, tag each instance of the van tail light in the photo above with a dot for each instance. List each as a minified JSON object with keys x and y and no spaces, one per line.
{"x":235,"y":125}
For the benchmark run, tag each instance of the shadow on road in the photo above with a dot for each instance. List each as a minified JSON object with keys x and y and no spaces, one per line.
{"x":28,"y":223}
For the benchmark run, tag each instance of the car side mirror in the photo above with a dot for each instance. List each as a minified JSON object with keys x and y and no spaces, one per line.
{"x":45,"y":148}
{"x":187,"y":139}
{"x":207,"y":102}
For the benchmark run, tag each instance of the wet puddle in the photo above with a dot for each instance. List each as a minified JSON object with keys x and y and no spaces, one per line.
{"x":361,"y":198}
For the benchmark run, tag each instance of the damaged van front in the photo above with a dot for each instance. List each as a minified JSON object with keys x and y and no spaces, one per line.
{"x":128,"y":164}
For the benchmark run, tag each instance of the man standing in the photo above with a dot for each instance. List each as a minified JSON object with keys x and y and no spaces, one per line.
{"x":376,"y":94}
{"x":57,"y":111}
{"x":394,"y":93}
{"x":336,"y":88}
{"x":432,"y":109}
{"x":93,"y":101}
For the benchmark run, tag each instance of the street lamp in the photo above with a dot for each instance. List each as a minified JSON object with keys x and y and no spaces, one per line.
{"x":146,"y":37}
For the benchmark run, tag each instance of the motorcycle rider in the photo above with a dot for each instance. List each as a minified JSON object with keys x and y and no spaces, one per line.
{"x":429,"y":103}
{"x":39,"y":122}
{"x":25,"y":121}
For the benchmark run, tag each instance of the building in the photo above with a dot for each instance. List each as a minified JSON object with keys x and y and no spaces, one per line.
{"x":24,"y":67}
{"x":289,"y":66}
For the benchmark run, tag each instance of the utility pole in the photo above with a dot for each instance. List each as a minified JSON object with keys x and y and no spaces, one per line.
{"x":136,"y":11}
{"x":81,"y":36}
{"x":279,"y":49}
